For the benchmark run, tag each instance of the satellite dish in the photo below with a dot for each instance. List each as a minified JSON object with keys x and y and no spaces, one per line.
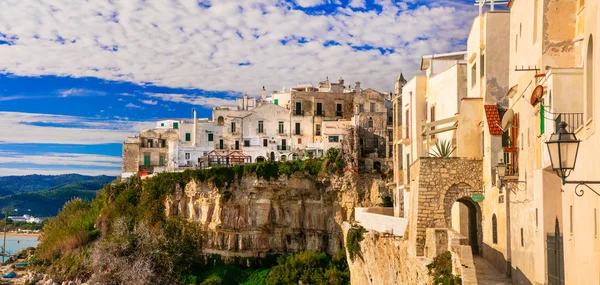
{"x":537,"y":94}
{"x":507,"y":119}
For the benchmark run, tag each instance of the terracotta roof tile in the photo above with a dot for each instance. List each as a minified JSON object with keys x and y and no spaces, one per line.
{"x":493,"y":119}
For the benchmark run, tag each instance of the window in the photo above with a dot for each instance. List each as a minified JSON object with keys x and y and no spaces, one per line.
{"x":406,"y":125}
{"x":522,"y":238}
{"x":390,"y":120}
{"x":210,"y":137}
{"x":188,"y":137}
{"x":276,"y":101}
{"x":334,"y":138}
{"x":299,"y":108}
{"x":280,"y":127}
{"x":233,"y":129}
{"x":299,"y":140}
{"x":237,"y":145}
{"x":283,"y":144}
{"x":589,"y":89}
{"x":162,"y":124}
{"x":372,"y":107}
{"x":265,"y":142}
{"x":149,"y":143}
{"x":494,"y":229}
{"x":146,"y":159}
{"x":187,"y":155}
{"x":370,"y":123}
{"x":319,"y":109}
{"x":261,"y":128}
{"x":408,"y":167}
{"x":432,"y":112}
{"x":161,"y":160}
{"x":482,"y":65}
{"x":246,"y":143}
{"x":317,"y":129}
{"x":361,"y":108}
{"x":220,"y":121}
{"x":473,"y":74}
{"x":221,"y":146}
{"x":163,"y":143}
{"x":338,"y":110}
{"x":297,"y":131}
{"x":176,"y":125}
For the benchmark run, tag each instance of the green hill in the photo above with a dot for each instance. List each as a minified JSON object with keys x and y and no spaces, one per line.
{"x":32,"y":183}
{"x":45,"y":203}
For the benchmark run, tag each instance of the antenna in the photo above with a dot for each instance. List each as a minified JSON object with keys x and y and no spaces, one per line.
{"x":507,"y":120}
{"x":537,"y":94}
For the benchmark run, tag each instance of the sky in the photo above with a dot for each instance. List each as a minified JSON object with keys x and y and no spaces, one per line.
{"x":78,"y":77}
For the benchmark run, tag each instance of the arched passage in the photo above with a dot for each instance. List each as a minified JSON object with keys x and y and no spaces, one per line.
{"x":463,"y":214}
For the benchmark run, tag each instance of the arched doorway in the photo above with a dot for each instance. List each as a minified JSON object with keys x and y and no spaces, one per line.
{"x":464,"y":215}
{"x":220,"y":121}
{"x":272,"y":155}
{"x":283,"y":158}
{"x":294,"y":156}
{"x":260,"y":159}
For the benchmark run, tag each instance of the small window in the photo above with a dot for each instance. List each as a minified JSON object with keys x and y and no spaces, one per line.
{"x":338,"y":110}
{"x":246,"y":143}
{"x":188,"y":137}
{"x":175,"y":125}
{"x":482,"y":65}
{"x":187,"y":155}
{"x":162,"y":124}
{"x":299,"y":140}
{"x":473,"y":75}
{"x":299,"y":108}
{"x":265,"y":142}
{"x":334,"y":138}
{"x":361,"y":108}
{"x":161,"y":160}
{"x":494,"y":229}
{"x":210,"y":137}
{"x":146,"y":159}
{"x":319,"y":111}
{"x":261,"y":127}
{"x":233,"y":129}
{"x":317,"y":129}
{"x":372,"y":107}
{"x":163,"y":143}
{"x":281,"y":131}
{"x":276,"y":101}
{"x":297,"y":131}
{"x":237,"y":145}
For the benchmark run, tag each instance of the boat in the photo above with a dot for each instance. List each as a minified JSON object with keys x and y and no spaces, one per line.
{"x":11,"y":274}
{"x":23,"y":264}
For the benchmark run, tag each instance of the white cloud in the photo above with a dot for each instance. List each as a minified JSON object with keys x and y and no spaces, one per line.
{"x":357,"y":4}
{"x":61,"y":159}
{"x":79,"y":92}
{"x":309,"y":3}
{"x":181,"y":44}
{"x":207,"y":102}
{"x":149,"y":102}
{"x":133,"y":106}
{"x":43,"y":128}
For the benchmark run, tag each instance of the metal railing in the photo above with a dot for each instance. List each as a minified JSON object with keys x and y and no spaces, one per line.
{"x":320,"y":113}
{"x":260,"y":130}
{"x":339,"y":113}
{"x":299,"y":112}
{"x":283,"y":147}
{"x":573,"y":120}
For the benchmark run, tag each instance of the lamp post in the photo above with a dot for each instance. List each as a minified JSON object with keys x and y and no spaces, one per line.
{"x":563,"y":148}
{"x":501,"y":171}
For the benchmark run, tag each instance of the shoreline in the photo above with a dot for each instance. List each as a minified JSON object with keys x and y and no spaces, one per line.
{"x":11,"y":234}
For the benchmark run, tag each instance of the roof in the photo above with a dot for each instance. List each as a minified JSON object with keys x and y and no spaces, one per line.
{"x":426,"y":59}
{"x":493,"y":119}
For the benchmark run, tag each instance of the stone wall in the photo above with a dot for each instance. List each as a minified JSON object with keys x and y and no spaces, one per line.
{"x":381,"y":220}
{"x":437,"y":184}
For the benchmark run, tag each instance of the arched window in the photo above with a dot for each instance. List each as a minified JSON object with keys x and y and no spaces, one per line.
{"x":220,"y":121}
{"x":494,"y":229}
{"x":589,"y":79}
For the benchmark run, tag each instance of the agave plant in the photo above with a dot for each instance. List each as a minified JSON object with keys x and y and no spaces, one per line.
{"x":442,"y":148}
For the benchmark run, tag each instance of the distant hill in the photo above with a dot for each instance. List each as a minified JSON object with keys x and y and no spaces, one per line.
{"x":45,"y":195}
{"x":32,"y":183}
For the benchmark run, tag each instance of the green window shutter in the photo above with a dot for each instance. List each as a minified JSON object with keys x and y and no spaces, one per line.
{"x":161,"y":161}
{"x":175,"y":125}
{"x":162,"y":124}
{"x":542,"y":121}
{"x":187,"y":137}
{"x":210,"y":137}
{"x":146,"y":160}
{"x":276,"y":102}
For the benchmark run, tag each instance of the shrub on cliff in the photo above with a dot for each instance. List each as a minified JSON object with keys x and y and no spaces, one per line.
{"x":310,"y":268}
{"x":441,"y":270}
{"x":353,"y":239}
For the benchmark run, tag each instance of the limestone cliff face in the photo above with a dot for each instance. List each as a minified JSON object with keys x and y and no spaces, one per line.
{"x":255,"y":218}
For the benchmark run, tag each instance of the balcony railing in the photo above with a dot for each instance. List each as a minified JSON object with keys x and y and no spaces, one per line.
{"x":282,"y":131}
{"x":299,"y":112}
{"x":283,"y":147}
{"x":260,"y":130}
{"x":339,"y":113}
{"x":320,"y":113}
{"x":573,"y":120}
{"x":298,"y":133}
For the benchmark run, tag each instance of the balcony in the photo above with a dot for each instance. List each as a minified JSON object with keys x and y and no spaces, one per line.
{"x":283,"y":147}
{"x":339,"y":113}
{"x":260,"y":131}
{"x":282,"y":132}
{"x":298,"y":133}
{"x":574,"y":121}
{"x":320,"y":113}
{"x":299,"y":112}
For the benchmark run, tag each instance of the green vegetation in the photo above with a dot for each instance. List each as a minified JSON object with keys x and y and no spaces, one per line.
{"x":310,"y":268}
{"x":45,"y":203}
{"x":124,"y":235}
{"x":442,"y":149}
{"x":441,"y":270}
{"x":353,"y":239}
{"x":31,"y":183}
{"x":387,"y":201}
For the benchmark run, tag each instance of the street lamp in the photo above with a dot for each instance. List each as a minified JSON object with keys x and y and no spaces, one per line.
{"x":563,"y":148}
{"x":501,"y":170}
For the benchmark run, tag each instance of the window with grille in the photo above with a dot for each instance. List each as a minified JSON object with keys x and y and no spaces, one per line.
{"x":494,"y":229}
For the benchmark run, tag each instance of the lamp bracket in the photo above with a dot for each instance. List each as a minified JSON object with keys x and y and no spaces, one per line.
{"x":578,"y":189}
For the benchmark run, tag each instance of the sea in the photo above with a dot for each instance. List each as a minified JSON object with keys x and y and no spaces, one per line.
{"x":16,"y":243}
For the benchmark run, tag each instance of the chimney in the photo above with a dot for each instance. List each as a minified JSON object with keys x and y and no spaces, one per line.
{"x":357,"y":86}
{"x":263,"y":94}
{"x":195,"y":129}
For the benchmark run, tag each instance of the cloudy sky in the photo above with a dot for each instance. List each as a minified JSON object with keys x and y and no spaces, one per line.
{"x":78,"y":77}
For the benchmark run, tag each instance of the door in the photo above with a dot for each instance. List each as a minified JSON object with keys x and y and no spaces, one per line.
{"x":237,"y":144}
{"x":338,"y":110}
{"x":298,"y":108}
{"x":146,"y":160}
{"x":283,"y":144}
{"x":319,"y":109}
{"x":272,"y":155}
{"x":554,"y":244}
{"x":220,"y":144}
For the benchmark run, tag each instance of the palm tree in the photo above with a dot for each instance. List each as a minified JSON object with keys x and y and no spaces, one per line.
{"x":442,"y":149}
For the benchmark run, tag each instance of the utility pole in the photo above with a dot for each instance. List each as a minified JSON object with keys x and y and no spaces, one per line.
{"x":4,"y":244}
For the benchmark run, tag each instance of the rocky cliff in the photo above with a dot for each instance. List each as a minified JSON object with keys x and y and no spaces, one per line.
{"x":255,"y":218}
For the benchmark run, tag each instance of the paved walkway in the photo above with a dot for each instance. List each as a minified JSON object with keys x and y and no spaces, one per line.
{"x":487,"y":274}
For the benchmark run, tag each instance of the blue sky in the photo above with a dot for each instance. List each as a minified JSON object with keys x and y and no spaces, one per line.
{"x":76,"y":78}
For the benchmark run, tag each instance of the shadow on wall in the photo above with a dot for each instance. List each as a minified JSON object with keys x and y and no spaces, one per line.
{"x":497,"y":259}
{"x":519,"y":277}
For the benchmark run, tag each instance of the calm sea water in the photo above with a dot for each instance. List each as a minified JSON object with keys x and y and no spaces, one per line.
{"x":16,"y":243}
